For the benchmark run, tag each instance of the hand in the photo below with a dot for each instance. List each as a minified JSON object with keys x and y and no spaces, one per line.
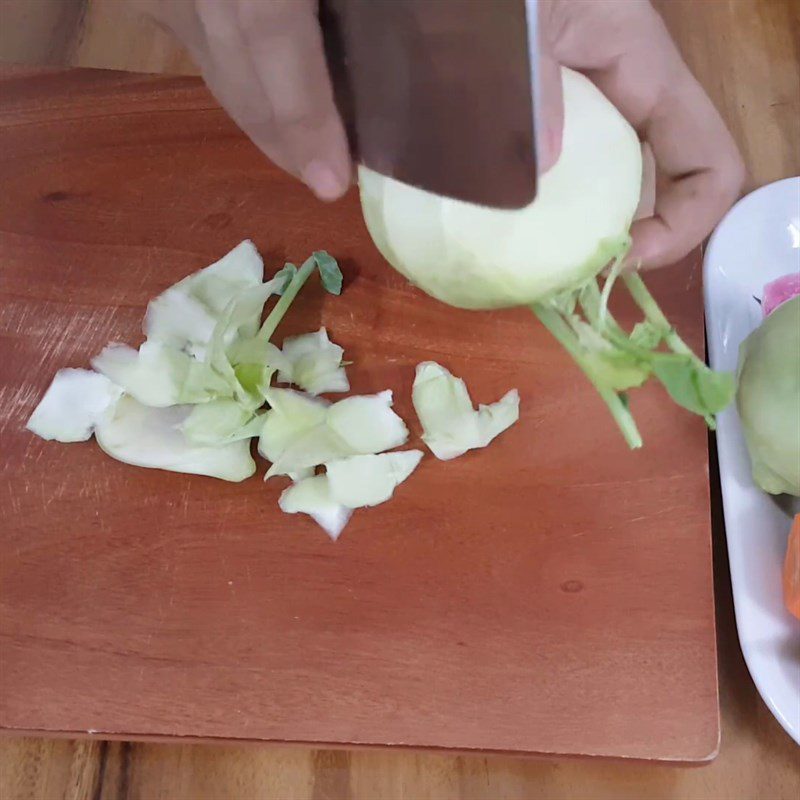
{"x":624,"y":47}
{"x":264,"y":62}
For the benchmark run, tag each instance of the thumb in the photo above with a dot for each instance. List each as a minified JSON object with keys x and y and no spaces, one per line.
{"x":549,"y":111}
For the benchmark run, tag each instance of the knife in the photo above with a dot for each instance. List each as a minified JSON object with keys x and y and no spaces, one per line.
{"x":440,"y":94}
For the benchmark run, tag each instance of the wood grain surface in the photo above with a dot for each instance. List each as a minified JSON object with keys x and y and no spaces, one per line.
{"x":551,"y":594}
{"x":753,"y":41}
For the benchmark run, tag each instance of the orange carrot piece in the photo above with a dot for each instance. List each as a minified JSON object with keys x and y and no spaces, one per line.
{"x":791,"y":570}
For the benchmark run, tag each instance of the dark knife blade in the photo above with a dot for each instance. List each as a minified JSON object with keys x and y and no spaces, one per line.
{"x":439,"y":93}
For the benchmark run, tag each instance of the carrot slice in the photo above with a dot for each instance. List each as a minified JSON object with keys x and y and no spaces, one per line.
{"x":791,"y":570}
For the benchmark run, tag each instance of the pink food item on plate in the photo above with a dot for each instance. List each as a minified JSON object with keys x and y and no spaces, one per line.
{"x":779,"y":291}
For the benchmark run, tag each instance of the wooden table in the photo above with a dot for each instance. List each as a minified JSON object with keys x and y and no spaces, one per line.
{"x":744,"y":52}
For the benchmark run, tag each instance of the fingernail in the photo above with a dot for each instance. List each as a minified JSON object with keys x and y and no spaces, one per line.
{"x":322,"y":180}
{"x":550,"y":147}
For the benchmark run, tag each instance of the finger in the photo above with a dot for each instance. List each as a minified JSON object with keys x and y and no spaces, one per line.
{"x":178,"y":19}
{"x":285,"y":45}
{"x":231,"y":77}
{"x":549,"y":112}
{"x":700,"y":170}
{"x":647,"y":200}
{"x":703,"y":174}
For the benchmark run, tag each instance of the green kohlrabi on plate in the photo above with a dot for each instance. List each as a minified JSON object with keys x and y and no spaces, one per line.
{"x":768,"y":399}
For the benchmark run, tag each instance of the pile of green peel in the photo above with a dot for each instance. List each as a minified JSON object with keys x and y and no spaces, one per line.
{"x":207,"y":380}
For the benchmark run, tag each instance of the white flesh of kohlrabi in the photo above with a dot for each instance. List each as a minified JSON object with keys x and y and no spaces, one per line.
{"x":451,"y":425}
{"x":477,"y":257}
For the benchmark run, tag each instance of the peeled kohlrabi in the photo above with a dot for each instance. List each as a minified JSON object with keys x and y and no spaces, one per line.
{"x":476,"y":257}
{"x":73,"y":405}
{"x":548,"y":254}
{"x":768,"y":399}
{"x":450,"y":423}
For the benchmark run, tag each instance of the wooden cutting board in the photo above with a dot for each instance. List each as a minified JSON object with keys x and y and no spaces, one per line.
{"x":551,"y":594}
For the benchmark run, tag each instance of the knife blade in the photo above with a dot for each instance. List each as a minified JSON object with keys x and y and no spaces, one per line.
{"x":440,"y":94}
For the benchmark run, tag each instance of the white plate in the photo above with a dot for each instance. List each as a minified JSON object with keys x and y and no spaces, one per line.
{"x":758,"y":241}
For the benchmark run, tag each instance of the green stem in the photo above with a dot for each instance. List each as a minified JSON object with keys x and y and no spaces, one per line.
{"x":282,"y":306}
{"x":590,"y":301}
{"x":611,"y":279}
{"x":552,"y":320}
{"x":653,"y":314}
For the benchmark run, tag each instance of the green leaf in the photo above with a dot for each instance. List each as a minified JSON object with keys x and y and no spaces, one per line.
{"x":615,"y":367}
{"x":646,"y":335}
{"x":329,"y":272}
{"x":692,"y":384}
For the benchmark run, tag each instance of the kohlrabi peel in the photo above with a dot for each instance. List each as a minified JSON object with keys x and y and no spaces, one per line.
{"x":314,"y":363}
{"x":369,"y":480}
{"x":184,"y":316}
{"x":548,"y":255}
{"x":186,"y":400}
{"x":768,"y":399}
{"x":301,"y":431}
{"x":220,"y":422}
{"x":354,"y":482}
{"x":159,"y":375}
{"x":76,"y":401}
{"x":312,"y":496}
{"x":152,"y":437}
{"x":450,"y":423}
